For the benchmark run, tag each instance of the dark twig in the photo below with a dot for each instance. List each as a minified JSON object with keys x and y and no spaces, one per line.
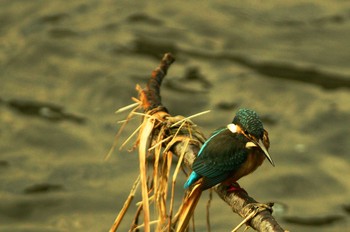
{"x":208,"y":209}
{"x":151,"y":98}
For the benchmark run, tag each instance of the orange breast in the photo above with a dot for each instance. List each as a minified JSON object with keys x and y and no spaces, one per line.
{"x":254,"y":160}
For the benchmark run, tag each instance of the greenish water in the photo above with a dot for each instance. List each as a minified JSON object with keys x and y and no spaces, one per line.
{"x":66,"y":66}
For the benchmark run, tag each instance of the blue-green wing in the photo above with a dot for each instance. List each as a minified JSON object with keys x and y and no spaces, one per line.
{"x":220,"y":156}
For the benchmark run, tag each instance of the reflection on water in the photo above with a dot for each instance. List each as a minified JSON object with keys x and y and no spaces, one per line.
{"x":47,"y":111}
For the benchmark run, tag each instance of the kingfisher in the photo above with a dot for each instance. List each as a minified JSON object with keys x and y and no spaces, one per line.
{"x":229,"y":154}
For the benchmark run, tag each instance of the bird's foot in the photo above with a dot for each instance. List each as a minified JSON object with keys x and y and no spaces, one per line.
{"x":234,"y":187}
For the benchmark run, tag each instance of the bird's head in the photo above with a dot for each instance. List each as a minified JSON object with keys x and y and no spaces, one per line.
{"x":248,"y":123}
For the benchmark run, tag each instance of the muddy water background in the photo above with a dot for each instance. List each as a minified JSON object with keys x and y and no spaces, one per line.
{"x":66,"y":66}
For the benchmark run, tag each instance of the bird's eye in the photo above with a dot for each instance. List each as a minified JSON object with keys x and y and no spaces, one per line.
{"x":246,"y":132}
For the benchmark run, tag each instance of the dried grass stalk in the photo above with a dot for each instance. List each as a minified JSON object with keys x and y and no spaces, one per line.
{"x":145,"y":133}
{"x":127,"y":203}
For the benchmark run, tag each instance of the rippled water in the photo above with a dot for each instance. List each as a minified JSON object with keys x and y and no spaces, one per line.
{"x":66,"y":66}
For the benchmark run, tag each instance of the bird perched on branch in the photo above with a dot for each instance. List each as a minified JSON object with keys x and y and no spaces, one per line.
{"x":229,"y":154}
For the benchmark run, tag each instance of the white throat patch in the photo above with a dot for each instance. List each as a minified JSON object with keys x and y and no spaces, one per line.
{"x":232,"y":127}
{"x":250,"y":144}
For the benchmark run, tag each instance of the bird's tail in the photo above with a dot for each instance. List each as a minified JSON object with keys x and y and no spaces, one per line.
{"x":187,"y":208}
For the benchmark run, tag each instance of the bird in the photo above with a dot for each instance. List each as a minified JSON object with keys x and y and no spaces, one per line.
{"x":229,"y":154}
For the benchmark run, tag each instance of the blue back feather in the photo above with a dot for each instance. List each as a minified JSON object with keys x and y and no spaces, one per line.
{"x":194,"y":176}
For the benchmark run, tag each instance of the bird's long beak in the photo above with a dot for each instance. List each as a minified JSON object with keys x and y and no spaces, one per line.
{"x":263,"y":148}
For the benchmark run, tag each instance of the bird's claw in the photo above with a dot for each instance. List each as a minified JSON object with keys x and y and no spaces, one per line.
{"x":234,"y":187}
